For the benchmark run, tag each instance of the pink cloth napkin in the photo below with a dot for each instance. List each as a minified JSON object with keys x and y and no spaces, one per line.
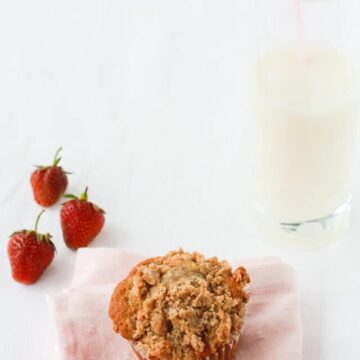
{"x":84,"y":331}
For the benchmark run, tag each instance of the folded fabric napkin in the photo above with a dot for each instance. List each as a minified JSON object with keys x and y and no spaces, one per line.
{"x":84,"y":330}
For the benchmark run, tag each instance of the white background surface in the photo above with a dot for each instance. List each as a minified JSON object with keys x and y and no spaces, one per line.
{"x":151,"y":102}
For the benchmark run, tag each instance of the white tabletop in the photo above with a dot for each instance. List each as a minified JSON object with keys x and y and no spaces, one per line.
{"x":150,"y":100}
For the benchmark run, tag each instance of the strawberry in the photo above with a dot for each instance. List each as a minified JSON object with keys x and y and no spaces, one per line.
{"x":81,"y":221}
{"x":30,"y":253}
{"x":49,"y":182}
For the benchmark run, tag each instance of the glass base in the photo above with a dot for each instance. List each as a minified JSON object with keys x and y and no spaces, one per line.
{"x":306,"y":234}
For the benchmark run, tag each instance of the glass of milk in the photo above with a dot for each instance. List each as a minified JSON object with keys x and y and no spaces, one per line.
{"x":305,"y":122}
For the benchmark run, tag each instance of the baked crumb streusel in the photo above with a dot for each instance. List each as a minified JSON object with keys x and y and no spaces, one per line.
{"x":180,"y":306}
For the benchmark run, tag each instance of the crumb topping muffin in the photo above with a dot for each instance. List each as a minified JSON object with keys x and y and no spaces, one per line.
{"x":180,"y":306}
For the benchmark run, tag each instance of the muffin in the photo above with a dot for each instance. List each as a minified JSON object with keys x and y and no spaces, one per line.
{"x":181,"y":307}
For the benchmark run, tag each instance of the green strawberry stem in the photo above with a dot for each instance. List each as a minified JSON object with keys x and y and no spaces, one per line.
{"x":41,"y":237}
{"x":55,"y":163}
{"x":56,"y":158}
{"x":84,"y":195}
{"x":37,"y":220}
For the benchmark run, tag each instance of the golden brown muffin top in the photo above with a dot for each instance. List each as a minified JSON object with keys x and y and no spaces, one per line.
{"x":180,"y":306}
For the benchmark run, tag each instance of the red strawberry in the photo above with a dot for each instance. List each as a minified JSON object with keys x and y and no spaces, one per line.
{"x":81,"y":221}
{"x":49,"y":182}
{"x":30,"y":253}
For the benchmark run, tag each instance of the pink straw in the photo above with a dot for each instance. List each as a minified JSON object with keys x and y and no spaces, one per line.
{"x":300,"y":29}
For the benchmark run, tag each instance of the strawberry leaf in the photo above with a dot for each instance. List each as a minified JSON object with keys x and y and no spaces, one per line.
{"x":71,"y":196}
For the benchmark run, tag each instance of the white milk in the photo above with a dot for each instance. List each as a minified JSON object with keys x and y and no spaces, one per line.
{"x":304,"y":134}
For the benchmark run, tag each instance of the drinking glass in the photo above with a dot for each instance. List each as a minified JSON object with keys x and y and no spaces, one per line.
{"x":305,"y":122}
